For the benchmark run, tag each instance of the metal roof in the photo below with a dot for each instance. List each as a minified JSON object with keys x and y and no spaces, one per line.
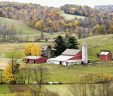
{"x":32,"y":57}
{"x":71,"y":52}
{"x":61,"y":58}
{"x":104,"y":53}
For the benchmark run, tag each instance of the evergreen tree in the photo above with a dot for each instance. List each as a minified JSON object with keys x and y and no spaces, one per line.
{"x":72,"y":43}
{"x":59,"y":45}
{"x":66,"y":39}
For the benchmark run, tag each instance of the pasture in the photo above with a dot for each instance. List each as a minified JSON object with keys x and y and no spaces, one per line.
{"x":70,"y":16}
{"x":59,"y":73}
{"x":25,"y":31}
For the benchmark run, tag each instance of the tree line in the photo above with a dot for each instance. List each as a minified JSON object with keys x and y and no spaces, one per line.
{"x":49,"y":19}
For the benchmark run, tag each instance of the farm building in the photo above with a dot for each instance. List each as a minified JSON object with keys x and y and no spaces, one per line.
{"x":48,"y":51}
{"x":70,"y":56}
{"x":105,"y":55}
{"x":35,"y":59}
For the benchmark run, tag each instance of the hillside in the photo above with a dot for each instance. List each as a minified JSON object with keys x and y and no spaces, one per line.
{"x":97,"y":43}
{"x":20,"y":26}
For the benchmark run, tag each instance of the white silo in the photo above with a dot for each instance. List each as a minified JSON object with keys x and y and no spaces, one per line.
{"x":84,"y":54}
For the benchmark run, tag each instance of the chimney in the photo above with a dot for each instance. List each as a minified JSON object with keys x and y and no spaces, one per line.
{"x":84,"y":54}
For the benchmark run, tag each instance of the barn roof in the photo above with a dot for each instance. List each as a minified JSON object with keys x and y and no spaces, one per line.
{"x":32,"y":57}
{"x":61,"y":58}
{"x":104,"y":53}
{"x":71,"y":52}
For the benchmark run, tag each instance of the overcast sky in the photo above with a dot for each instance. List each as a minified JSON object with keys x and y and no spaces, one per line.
{"x":57,"y":3}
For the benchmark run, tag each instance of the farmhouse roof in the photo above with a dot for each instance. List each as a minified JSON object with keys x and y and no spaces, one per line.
{"x":32,"y":57}
{"x":71,"y":52}
{"x":104,"y":53}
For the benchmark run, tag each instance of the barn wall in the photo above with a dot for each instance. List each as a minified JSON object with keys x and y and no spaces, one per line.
{"x":103,"y":57}
{"x":77,"y":56}
{"x":41,"y":60}
{"x":109,"y":57}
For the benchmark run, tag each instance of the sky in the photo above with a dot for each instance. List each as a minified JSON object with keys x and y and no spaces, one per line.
{"x":58,"y":3}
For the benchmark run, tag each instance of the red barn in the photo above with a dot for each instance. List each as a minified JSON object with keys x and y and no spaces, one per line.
{"x":105,"y":56}
{"x":35,"y":59}
{"x":69,"y":56}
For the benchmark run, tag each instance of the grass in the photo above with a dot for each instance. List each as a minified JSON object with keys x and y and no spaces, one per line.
{"x":4,"y":89}
{"x":72,"y":74}
{"x":98,"y":43}
{"x":25,"y":29}
{"x":62,"y":90}
{"x":20,"y":26}
{"x":70,"y":17}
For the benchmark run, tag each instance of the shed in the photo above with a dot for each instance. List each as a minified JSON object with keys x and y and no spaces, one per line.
{"x":105,"y":56}
{"x":35,"y":59}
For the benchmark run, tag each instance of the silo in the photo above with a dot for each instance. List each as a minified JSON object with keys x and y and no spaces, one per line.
{"x":84,"y":54}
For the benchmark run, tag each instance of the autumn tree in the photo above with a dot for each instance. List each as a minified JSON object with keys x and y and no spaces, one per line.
{"x":14,"y":56}
{"x":98,"y":29}
{"x":110,"y":28}
{"x":36,"y":50}
{"x":32,"y":49}
{"x":9,"y":75}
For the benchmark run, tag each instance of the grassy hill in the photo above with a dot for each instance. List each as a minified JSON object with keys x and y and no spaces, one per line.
{"x":97,"y":43}
{"x":69,"y":16}
{"x":25,"y":29}
{"x":20,"y":26}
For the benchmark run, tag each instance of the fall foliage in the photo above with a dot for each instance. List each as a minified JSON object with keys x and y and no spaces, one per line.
{"x":8,"y":74}
{"x":32,"y":49}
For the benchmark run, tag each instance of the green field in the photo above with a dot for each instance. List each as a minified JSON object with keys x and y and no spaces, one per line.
{"x":95,"y":44}
{"x":4,"y":89}
{"x":74,"y":73}
{"x":98,"y":43}
{"x":20,"y":26}
{"x":70,"y":17}
{"x":59,"y":73}
{"x":27,"y":31}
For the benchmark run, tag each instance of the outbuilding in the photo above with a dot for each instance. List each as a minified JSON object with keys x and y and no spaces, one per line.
{"x":105,"y":55}
{"x":35,"y":59}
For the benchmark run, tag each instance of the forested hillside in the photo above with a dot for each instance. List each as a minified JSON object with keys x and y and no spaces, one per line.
{"x":53,"y":20}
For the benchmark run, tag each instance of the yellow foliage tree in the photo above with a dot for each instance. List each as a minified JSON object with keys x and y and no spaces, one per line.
{"x":8,"y":74}
{"x":33,"y":49}
{"x":39,"y":24}
{"x":36,"y":50}
{"x":110,"y":29}
{"x":27,"y":50}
